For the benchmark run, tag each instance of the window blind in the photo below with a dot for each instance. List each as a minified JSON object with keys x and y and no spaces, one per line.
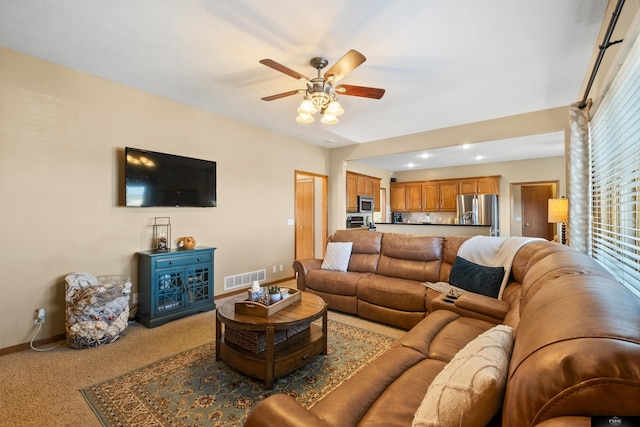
{"x":615,"y":175}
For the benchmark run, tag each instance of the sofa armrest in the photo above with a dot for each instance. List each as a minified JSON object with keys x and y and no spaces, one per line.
{"x":304,"y":266}
{"x":567,"y":422}
{"x":483,"y":304}
{"x":473,"y":305}
{"x":283,"y":411}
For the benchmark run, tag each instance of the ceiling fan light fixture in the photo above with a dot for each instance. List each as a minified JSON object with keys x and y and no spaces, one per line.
{"x":304,"y":118}
{"x":334,"y":108}
{"x":307,"y":107}
{"x":329,"y":119}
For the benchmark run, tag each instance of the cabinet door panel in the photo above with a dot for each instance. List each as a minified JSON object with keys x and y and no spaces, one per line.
{"x":488,"y":186}
{"x":397,"y":198}
{"x":169,"y":290}
{"x":352,"y":193}
{"x":376,"y":195}
{"x":197,"y":280}
{"x":414,"y":197}
{"x":468,"y":186}
{"x":430,"y":197}
{"x":448,"y":196}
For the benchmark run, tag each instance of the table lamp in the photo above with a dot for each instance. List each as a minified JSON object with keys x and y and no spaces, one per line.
{"x":559,"y":213}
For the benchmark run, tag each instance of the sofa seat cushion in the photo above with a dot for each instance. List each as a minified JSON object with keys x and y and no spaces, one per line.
{"x":334,"y":282}
{"x":396,"y":406}
{"x":399,"y":294}
{"x":469,"y":390}
{"x":390,"y":389}
{"x":348,"y":403}
{"x":442,"y":334}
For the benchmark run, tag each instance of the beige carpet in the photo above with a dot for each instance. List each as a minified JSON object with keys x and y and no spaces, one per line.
{"x":43,"y":388}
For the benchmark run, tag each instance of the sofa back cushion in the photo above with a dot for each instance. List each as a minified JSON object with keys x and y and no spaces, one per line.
{"x":412,"y":257}
{"x":365,"y":251}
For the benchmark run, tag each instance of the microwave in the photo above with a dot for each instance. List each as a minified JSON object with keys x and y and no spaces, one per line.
{"x":365,"y":204}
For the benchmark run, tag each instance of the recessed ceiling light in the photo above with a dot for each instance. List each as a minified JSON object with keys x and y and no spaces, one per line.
{"x":465,"y":146}
{"x":411,"y":165}
{"x":478,"y":157}
{"x":425,"y":155}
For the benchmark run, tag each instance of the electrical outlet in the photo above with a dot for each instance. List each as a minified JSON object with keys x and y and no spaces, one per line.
{"x":280,"y":267}
{"x":274,"y":268}
{"x":39,"y":316}
{"x":135,"y":297}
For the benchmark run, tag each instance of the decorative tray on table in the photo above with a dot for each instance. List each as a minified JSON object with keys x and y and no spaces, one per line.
{"x":258,"y":309}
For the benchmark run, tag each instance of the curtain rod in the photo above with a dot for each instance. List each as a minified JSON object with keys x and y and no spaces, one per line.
{"x":606,"y":43}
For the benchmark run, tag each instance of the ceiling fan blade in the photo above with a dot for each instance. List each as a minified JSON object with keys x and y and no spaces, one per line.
{"x":365,"y":92}
{"x":282,"y":95}
{"x":288,"y":71}
{"x":344,"y":66}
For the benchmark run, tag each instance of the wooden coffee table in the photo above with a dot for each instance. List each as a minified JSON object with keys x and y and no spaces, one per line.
{"x":278,"y":359}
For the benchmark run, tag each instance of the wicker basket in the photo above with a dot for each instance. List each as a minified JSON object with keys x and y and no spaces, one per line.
{"x":97,"y":309}
{"x":254,"y":341}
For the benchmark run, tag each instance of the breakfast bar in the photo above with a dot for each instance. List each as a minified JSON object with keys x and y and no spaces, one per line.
{"x":435,"y":229}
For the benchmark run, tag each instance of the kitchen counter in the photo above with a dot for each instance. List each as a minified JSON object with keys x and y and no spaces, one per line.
{"x":431,"y":229}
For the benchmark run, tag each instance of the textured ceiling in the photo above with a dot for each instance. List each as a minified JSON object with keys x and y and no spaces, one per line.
{"x":442,"y":63}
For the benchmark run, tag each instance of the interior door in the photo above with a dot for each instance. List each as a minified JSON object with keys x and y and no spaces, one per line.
{"x":304,"y":218}
{"x":535,"y":199}
{"x":310,"y":215}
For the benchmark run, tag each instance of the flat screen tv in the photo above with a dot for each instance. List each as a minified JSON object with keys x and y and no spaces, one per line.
{"x":159,"y":179}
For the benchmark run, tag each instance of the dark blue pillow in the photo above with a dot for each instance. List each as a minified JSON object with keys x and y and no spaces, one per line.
{"x":476,"y":278}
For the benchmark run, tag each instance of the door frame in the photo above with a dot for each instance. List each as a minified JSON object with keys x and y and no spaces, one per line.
{"x":320,"y":227}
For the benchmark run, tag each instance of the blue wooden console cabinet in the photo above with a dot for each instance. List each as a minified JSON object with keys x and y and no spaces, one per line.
{"x":174,"y":284}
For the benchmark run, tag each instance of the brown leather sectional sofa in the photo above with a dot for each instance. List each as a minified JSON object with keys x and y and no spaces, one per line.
{"x":576,"y":352}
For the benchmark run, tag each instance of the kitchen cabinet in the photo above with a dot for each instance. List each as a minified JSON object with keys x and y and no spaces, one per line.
{"x":362,"y":185}
{"x":413,"y":201}
{"x":448,"y":196}
{"x":439,"y":196}
{"x":484,"y":185}
{"x":489,"y":185}
{"x":397,"y":197}
{"x":352,"y":193}
{"x":174,"y":284}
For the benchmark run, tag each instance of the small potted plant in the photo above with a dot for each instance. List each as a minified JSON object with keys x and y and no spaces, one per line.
{"x":274,"y":293}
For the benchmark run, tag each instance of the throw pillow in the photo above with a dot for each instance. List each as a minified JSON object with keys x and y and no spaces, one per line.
{"x":469,"y":390}
{"x":476,"y":278}
{"x":337,"y":256}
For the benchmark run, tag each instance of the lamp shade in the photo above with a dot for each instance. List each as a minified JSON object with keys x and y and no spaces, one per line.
{"x":307,"y":107}
{"x":329,"y":119}
{"x":558,"y":210}
{"x":304,"y":118}
{"x":334,"y":108}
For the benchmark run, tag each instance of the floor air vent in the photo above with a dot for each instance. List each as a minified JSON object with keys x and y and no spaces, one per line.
{"x":244,"y":279}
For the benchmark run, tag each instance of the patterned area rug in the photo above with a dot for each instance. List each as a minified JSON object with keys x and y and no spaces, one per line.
{"x":192,"y":389}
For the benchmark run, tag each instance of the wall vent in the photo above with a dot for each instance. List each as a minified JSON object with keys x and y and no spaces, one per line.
{"x":244,"y":279}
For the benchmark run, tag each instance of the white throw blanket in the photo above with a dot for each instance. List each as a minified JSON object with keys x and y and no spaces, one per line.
{"x":494,"y":252}
{"x":490,"y":252}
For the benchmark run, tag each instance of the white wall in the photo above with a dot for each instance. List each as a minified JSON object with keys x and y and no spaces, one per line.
{"x":62,"y":134}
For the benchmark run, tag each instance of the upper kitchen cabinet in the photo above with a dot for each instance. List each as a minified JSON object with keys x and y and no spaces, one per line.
{"x":439,"y":196}
{"x":352,"y":192}
{"x":362,"y":185}
{"x":414,"y":197}
{"x":397,"y":197}
{"x":484,"y":185}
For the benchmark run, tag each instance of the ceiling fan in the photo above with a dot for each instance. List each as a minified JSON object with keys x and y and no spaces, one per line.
{"x":320,"y":95}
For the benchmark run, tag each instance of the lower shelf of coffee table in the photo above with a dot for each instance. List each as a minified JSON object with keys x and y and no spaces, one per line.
{"x":288,"y":355}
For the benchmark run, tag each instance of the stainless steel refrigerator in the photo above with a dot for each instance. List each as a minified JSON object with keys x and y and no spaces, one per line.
{"x":479,"y":209}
